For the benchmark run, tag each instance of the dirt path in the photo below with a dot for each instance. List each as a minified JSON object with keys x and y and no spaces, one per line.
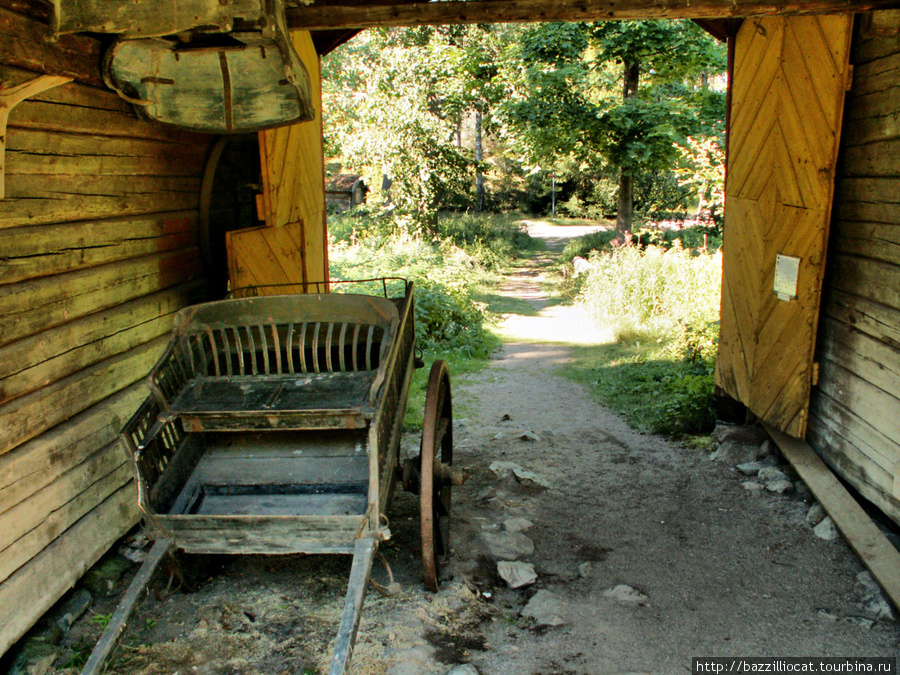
{"x":646,"y":553}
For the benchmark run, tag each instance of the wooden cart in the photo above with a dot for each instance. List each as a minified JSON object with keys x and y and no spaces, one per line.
{"x":274,"y":426}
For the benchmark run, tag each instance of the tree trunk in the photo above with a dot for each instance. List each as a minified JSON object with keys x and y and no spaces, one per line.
{"x":625,"y":207}
{"x":479,"y":174}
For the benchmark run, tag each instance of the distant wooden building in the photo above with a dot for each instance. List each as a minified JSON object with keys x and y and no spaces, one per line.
{"x":109,"y":224}
{"x":345,"y":191}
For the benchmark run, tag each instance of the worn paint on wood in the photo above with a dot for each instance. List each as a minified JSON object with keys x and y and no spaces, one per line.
{"x":790,"y":79}
{"x":853,"y":420}
{"x":293,"y":195}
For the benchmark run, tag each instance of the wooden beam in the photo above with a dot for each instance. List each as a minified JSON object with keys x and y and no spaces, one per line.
{"x":876,"y":552}
{"x":333,"y":16}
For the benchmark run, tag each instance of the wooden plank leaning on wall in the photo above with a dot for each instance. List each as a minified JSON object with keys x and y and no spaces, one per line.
{"x":293,"y":201}
{"x":853,"y":421}
{"x":98,"y":243}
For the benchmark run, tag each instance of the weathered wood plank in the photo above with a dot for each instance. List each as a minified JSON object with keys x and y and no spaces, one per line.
{"x":872,"y":318}
{"x":871,"y":360}
{"x":868,"y":212}
{"x":44,"y":250}
{"x":874,"y":104}
{"x":864,"y":454}
{"x":879,"y":241}
{"x":38,"y":200}
{"x":331,"y":17}
{"x":74,"y":94}
{"x":41,"y":359}
{"x":872,"y":128}
{"x":36,"y":464}
{"x":877,"y":159}
{"x":32,"y":525}
{"x":876,"y":552}
{"x":264,"y":534}
{"x":25,"y":43}
{"x":58,"y":116}
{"x":36,"y":586}
{"x":875,"y":76}
{"x":874,"y":42}
{"x":866,"y":400}
{"x":28,"y":416}
{"x":34,"y":306}
{"x":123,"y":612}
{"x":870,"y":279}
{"x":90,"y":155}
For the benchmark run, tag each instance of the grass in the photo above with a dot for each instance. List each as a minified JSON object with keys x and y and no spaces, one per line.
{"x":662,"y":306}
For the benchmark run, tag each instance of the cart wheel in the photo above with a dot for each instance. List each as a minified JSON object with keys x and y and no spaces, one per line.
{"x":435,"y":481}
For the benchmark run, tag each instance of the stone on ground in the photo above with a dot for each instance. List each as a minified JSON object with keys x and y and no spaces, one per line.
{"x":544,"y":609}
{"x":508,"y":545}
{"x":517,"y":524}
{"x":516,"y":574}
{"x":626,"y":595}
{"x":826,"y":530}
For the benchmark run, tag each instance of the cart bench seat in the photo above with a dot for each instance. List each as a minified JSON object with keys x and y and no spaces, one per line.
{"x":277,"y":362}
{"x":310,"y":401}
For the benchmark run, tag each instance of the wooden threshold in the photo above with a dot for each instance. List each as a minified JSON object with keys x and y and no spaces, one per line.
{"x":876,"y":552}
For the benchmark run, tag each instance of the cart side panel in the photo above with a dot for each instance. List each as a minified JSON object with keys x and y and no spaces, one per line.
{"x":262,"y":534}
{"x":391,"y":409}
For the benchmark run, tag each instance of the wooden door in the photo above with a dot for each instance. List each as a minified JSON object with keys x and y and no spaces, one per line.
{"x":293,"y":200}
{"x":790,"y":77}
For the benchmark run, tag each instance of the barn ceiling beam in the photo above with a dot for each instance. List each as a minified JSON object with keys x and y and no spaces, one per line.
{"x":332,"y":15}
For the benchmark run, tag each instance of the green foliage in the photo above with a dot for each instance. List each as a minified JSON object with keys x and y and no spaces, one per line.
{"x":448,"y":266}
{"x":586,"y":244}
{"x":661,"y":304}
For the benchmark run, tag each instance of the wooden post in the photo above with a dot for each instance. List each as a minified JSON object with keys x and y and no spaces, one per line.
{"x":9,"y":99}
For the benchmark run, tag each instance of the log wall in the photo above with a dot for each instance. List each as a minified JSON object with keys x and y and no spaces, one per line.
{"x":98,"y":249}
{"x":853,"y":416}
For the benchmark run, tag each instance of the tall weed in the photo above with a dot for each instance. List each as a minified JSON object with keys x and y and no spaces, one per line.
{"x":650,"y":293}
{"x":662,"y":305}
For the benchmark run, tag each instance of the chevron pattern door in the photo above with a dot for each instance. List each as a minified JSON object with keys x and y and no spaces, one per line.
{"x":790,"y":77}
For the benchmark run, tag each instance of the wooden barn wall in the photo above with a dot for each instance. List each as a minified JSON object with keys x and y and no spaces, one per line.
{"x":98,"y":249}
{"x":853,"y":418}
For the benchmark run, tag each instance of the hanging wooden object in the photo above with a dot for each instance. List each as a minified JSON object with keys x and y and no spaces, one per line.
{"x":10,"y":97}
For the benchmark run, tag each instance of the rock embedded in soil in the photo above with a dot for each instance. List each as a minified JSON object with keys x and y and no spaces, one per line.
{"x":779,"y":486}
{"x":732,"y":452}
{"x":517,"y":524}
{"x":815,"y":515}
{"x":464,"y":669}
{"x":750,"y":468}
{"x":544,"y":609}
{"x":626,"y":595}
{"x":524,"y":477}
{"x":770,"y":473}
{"x":826,"y":530}
{"x":752,"y":486}
{"x":516,"y":574}
{"x":508,"y":545}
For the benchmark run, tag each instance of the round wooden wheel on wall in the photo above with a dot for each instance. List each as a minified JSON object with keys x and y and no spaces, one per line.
{"x":436,"y":458}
